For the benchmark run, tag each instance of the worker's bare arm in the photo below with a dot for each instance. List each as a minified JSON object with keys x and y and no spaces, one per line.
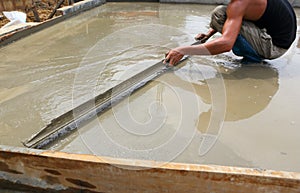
{"x":235,"y":14}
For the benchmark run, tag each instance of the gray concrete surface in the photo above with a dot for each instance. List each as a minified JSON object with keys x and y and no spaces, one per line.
{"x":295,"y":3}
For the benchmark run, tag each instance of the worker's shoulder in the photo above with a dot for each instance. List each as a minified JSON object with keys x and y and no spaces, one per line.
{"x":241,"y":2}
{"x":250,"y":9}
{"x":237,"y":7}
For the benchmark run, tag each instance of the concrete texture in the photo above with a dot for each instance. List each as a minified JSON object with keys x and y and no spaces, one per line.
{"x":296,"y":3}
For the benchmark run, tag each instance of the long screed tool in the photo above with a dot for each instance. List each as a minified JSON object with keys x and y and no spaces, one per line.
{"x":65,"y":124}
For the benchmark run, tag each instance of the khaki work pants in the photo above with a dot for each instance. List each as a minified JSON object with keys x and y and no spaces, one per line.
{"x":257,"y":38}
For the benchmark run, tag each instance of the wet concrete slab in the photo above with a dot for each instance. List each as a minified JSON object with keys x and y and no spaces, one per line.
{"x":45,"y":75}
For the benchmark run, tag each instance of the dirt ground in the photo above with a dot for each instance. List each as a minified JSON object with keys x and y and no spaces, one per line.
{"x":43,"y":7}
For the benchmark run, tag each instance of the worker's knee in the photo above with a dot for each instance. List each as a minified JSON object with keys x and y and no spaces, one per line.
{"x":218,"y":18}
{"x":219,"y":11}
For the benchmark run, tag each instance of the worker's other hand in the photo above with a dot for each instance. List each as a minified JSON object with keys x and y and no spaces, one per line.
{"x":173,"y":57}
{"x":202,"y":37}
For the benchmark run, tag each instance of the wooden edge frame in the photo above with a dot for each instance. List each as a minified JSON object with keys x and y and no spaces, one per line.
{"x":43,"y":170}
{"x":73,"y":10}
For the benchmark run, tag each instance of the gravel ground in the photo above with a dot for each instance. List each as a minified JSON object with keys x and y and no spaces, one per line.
{"x":44,"y":9}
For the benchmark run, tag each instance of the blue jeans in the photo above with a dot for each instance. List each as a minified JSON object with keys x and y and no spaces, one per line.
{"x":243,"y":48}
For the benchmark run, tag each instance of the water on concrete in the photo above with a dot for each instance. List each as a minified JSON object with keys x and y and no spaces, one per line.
{"x":211,"y":110}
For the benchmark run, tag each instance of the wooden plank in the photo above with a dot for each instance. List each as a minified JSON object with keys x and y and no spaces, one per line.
{"x":41,"y":170}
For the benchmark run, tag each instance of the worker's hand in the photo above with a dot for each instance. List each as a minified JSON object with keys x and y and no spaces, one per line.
{"x":202,"y":37}
{"x":173,"y":57}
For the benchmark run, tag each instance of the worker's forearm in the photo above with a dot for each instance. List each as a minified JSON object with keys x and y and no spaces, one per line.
{"x":214,"y":47}
{"x":193,"y":50}
{"x":211,"y":32}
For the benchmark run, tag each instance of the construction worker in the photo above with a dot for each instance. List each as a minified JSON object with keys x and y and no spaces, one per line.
{"x":253,"y":29}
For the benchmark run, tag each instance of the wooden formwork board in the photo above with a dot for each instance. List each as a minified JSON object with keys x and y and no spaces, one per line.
{"x":42,"y":170}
